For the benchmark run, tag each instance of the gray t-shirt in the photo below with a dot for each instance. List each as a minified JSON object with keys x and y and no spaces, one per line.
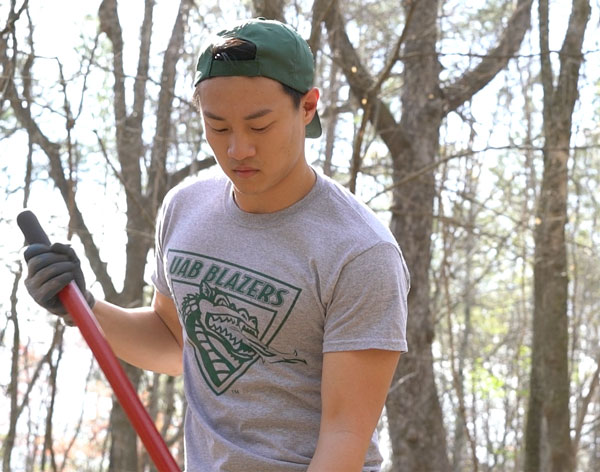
{"x":261,"y":298}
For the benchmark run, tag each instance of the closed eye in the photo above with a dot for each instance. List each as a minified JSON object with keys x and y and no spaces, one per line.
{"x":261,"y":128}
{"x":217,"y":130}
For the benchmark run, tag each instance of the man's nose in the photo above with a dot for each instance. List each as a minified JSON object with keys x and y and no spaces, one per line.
{"x":240,"y":146}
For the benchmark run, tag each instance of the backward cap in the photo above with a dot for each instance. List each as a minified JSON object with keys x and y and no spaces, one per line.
{"x":281,"y":54}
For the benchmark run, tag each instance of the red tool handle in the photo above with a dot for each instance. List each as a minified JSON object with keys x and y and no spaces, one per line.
{"x":85,"y":320}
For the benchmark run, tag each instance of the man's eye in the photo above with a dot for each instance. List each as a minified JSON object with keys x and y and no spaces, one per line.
{"x":218,"y":130}
{"x":261,"y":128}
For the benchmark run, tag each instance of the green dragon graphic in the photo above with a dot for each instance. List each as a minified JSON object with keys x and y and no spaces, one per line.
{"x":225,"y":338}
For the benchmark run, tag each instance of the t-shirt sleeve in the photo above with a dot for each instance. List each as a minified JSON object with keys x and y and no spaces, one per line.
{"x":368,"y":309}
{"x":158,"y":274}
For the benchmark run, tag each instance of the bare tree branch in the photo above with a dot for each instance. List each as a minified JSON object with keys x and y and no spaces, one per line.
{"x":570,"y":61}
{"x":157,"y":175}
{"x":395,"y":56}
{"x":13,"y":17}
{"x":48,"y":435}
{"x":584,"y":406}
{"x":360,"y":80}
{"x":474,"y":80}
{"x":75,"y":435}
{"x":110,"y":25}
{"x":139,"y":88}
{"x":52,"y":151}
{"x":319,"y":11}
{"x":133,"y":197}
{"x":86,"y":75}
{"x":192,"y":168}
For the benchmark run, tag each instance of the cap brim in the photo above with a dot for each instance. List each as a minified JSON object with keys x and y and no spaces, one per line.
{"x":313,"y":129}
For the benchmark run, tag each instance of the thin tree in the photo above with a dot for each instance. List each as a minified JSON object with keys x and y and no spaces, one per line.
{"x":548,"y":444}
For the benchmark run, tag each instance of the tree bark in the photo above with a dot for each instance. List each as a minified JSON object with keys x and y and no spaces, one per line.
{"x":158,"y":177}
{"x":548,"y":442}
{"x":331,"y":98}
{"x":48,"y":450}
{"x":12,"y":390}
{"x":123,"y":451}
{"x":269,"y":9}
{"x":417,"y":427}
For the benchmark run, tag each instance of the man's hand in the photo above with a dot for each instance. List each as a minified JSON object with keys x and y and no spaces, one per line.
{"x":50,"y":269}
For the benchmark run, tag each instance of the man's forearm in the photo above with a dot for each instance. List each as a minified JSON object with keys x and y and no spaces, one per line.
{"x":339,"y":451}
{"x":139,"y":336}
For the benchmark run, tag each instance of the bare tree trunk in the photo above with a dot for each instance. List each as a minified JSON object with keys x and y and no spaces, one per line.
{"x":548,"y":427}
{"x":168,"y":398}
{"x":9,"y":440}
{"x":269,"y":9}
{"x":460,"y":422}
{"x":415,"y":417}
{"x":123,"y":438}
{"x":595,"y":452}
{"x":48,"y":450}
{"x":77,"y":428}
{"x":13,"y":390}
{"x":152,"y":408}
{"x":419,"y":436}
{"x":331,"y":98}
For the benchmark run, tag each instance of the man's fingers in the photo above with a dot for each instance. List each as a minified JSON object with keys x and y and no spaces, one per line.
{"x":46,"y":260}
{"x":45,"y":284}
{"x":34,"y":250}
{"x":46,"y":292}
{"x":55,"y":285}
{"x":65,"y":249}
{"x":45,"y":275}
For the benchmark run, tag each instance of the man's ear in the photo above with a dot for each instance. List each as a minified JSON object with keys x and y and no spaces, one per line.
{"x":309,"y":104}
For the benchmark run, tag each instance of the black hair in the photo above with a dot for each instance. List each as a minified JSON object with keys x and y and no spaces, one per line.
{"x":236,"y":49}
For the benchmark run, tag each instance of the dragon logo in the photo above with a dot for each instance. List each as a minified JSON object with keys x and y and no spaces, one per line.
{"x":226,"y":338}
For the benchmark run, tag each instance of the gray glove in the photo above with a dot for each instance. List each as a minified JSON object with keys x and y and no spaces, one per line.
{"x":50,"y":269}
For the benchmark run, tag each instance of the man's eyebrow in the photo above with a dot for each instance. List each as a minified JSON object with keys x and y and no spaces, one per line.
{"x":258,"y":114}
{"x":251,"y":116}
{"x":212,"y":116}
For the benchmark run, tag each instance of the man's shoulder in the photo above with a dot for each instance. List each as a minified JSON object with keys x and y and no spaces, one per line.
{"x":344,"y":211}
{"x":197,"y":188}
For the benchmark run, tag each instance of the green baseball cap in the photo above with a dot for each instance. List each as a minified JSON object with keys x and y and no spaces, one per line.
{"x":277,"y":52}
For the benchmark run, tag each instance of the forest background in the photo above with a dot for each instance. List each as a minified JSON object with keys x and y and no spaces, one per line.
{"x":471,"y":128}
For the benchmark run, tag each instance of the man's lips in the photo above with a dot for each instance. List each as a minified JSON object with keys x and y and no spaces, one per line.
{"x":245,"y":171}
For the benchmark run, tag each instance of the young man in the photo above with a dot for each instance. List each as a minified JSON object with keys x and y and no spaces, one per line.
{"x":279,"y":296}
